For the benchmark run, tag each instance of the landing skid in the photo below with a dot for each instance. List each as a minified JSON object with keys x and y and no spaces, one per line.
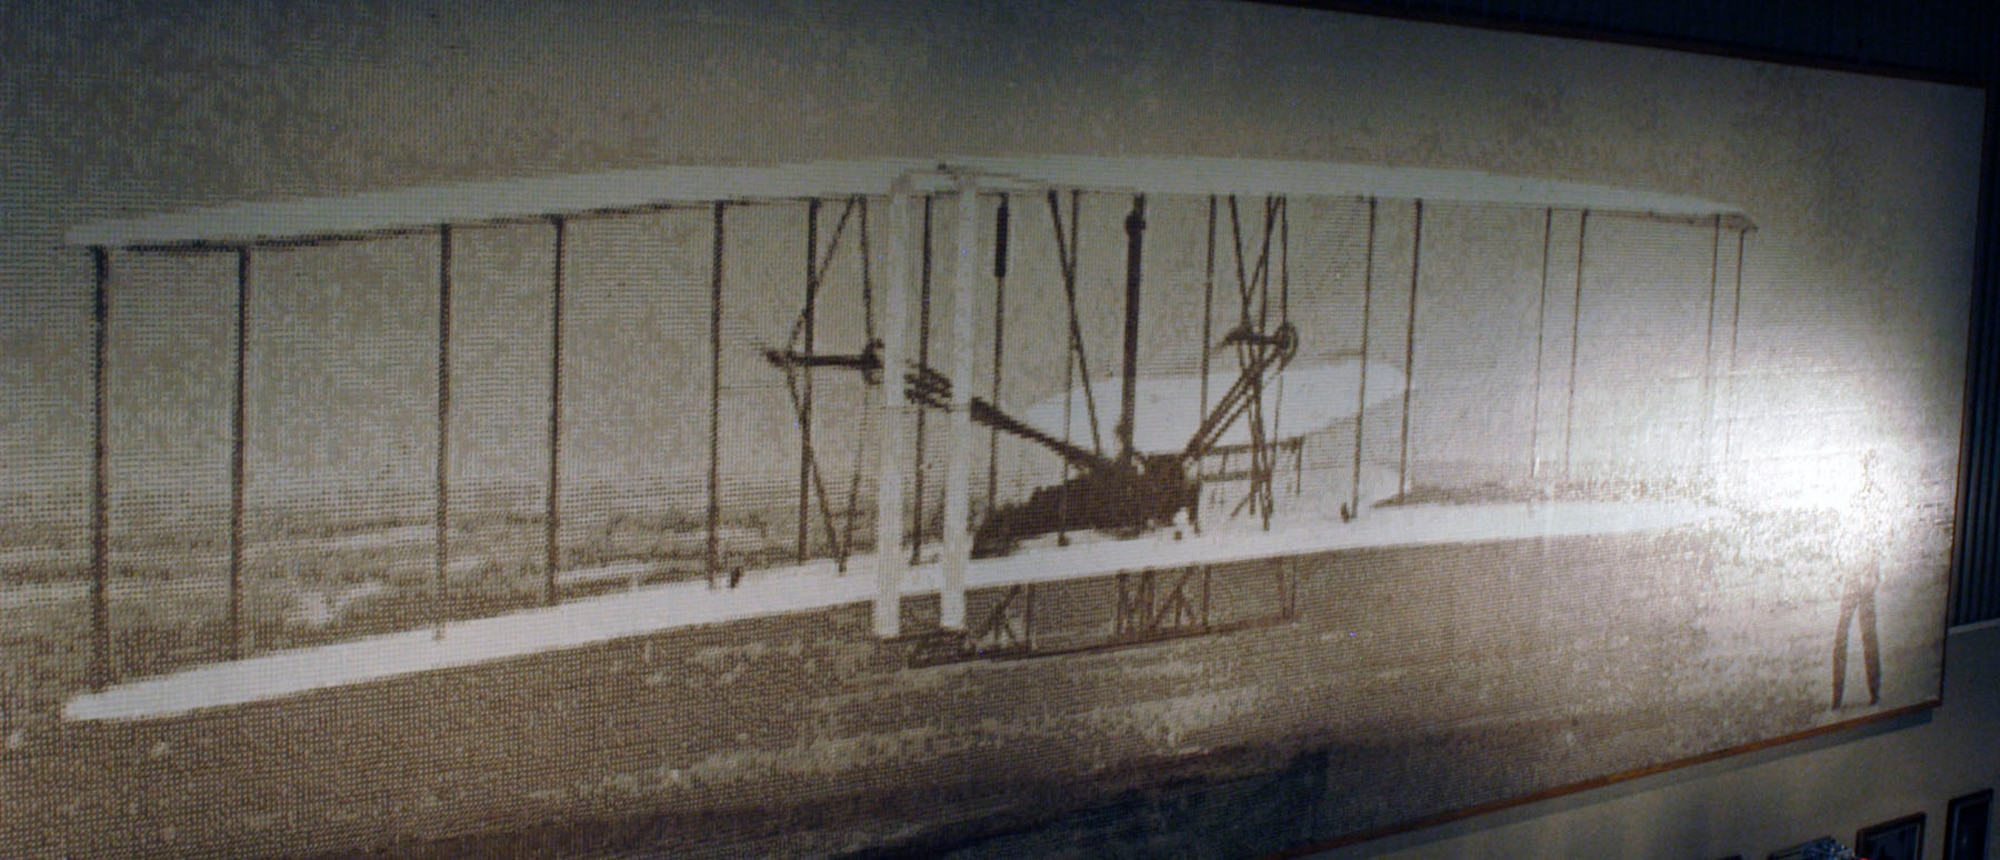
{"x":1148,"y":607}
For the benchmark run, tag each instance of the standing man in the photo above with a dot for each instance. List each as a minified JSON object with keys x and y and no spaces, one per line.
{"x":1861,"y":573}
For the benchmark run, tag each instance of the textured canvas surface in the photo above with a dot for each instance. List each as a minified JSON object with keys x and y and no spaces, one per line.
{"x":1602,"y":415}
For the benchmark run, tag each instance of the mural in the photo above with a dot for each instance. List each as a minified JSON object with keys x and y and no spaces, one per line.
{"x":1026,"y":495}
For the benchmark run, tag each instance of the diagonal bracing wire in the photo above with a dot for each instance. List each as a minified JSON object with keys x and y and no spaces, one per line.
{"x":812,"y":477}
{"x":1066,"y":255}
{"x":864,"y":433}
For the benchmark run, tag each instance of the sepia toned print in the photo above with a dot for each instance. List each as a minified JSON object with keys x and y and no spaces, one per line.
{"x":998,"y":503}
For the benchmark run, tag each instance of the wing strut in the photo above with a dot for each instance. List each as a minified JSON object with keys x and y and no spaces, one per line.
{"x":1135,"y":234}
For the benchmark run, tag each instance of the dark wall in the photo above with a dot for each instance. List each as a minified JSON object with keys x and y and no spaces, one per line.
{"x":1950,"y":40}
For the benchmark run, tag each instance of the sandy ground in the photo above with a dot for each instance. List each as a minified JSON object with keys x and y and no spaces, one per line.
{"x":1412,"y":682}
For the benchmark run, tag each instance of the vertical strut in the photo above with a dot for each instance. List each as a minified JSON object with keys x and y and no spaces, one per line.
{"x":1410,"y":351}
{"x":1708,"y":350}
{"x":715,"y":401}
{"x":1735,"y":321}
{"x":869,"y":339}
{"x":1066,"y":255}
{"x":100,"y":609}
{"x":923,"y":361}
{"x":236,"y":452}
{"x":958,"y":465}
{"x":1361,"y":394}
{"x":552,"y":522}
{"x":443,"y":488}
{"x":1284,"y":319}
{"x":806,"y":398}
{"x":1575,"y":345}
{"x":1248,"y":283}
{"x":1541,"y":329}
{"x":1135,"y":234}
{"x":1207,"y":337}
{"x":999,"y":348}
{"x":101,"y":635}
{"x":889,"y":562}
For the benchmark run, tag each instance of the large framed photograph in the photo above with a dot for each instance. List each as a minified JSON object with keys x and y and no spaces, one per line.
{"x":849,"y":429}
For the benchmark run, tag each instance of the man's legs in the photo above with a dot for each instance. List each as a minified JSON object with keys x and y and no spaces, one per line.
{"x":1871,"y":647}
{"x":1847,"y":608}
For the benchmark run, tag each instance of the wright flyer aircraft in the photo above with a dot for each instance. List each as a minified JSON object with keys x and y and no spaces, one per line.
{"x":631,"y":402}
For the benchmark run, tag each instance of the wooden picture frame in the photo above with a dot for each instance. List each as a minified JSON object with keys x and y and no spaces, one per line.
{"x":1968,"y":821}
{"x":1898,"y":839}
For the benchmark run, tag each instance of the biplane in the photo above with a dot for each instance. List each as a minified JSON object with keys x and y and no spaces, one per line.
{"x":1001,"y":288}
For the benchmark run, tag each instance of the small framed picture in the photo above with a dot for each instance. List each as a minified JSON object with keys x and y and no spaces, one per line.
{"x":1965,"y":825}
{"x":1818,"y":849}
{"x":1901,"y":839}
